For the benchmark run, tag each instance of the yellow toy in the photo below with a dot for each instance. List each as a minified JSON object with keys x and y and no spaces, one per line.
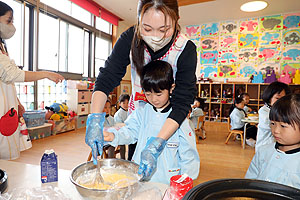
{"x":296,"y":79}
{"x":55,"y":117}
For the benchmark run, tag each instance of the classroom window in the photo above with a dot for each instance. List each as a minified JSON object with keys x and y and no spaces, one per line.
{"x":61,"y":5}
{"x":81,"y":14}
{"x":63,"y":46}
{"x":48,"y":42}
{"x":103,"y":25}
{"x":49,"y":93}
{"x":75,"y":49}
{"x":103,"y":49}
{"x":86,"y":54}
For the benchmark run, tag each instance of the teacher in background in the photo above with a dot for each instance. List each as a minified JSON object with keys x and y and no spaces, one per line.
{"x":156,"y":36}
{"x":9,"y":74}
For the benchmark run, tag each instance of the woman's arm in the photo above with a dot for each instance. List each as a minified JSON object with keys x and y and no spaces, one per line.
{"x":34,"y":76}
{"x":184,"y":92}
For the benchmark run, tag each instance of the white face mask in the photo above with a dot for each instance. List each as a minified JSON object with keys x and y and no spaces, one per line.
{"x":156,"y":43}
{"x":7,"y":31}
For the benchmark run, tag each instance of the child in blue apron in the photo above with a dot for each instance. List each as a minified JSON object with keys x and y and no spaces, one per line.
{"x":179,"y":154}
{"x":280,"y":161}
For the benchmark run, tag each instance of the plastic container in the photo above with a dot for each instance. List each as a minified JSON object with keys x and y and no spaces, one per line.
{"x":39,"y":132}
{"x":179,"y":186}
{"x":34,"y":118}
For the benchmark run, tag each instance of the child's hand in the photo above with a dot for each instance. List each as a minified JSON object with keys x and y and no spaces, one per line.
{"x":108,"y":136}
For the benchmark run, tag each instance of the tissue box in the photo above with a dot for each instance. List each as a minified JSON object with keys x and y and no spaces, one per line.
{"x":49,"y":167}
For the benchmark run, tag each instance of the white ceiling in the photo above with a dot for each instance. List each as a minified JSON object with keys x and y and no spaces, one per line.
{"x":214,"y":11}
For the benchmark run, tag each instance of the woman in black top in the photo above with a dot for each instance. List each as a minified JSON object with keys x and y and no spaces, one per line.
{"x":156,"y":36}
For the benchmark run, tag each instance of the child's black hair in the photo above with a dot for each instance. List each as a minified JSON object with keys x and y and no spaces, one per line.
{"x":237,"y":100}
{"x":4,"y":8}
{"x":123,"y":97}
{"x":243,"y":95}
{"x":274,"y":88}
{"x":201,"y":101}
{"x":287,"y":110}
{"x":157,"y":76}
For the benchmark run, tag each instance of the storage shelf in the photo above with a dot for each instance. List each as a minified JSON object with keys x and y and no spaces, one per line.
{"x":255,"y":91}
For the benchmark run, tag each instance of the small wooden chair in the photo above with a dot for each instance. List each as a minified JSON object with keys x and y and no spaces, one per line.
{"x":200,"y":131}
{"x":234,"y":132}
{"x":104,"y":155}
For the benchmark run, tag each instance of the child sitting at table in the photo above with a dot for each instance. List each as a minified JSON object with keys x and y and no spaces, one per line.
{"x":180,"y":155}
{"x":246,"y":98}
{"x":271,"y":94}
{"x":109,"y":122}
{"x":237,"y":113}
{"x":280,"y":161}
{"x":121,"y":115}
{"x":196,"y":113}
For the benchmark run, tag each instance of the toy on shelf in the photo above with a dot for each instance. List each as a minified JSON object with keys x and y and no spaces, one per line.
{"x":270,"y":77}
{"x":285,"y":77}
{"x":258,"y":78}
{"x":59,"y":111}
{"x":217,"y":93}
{"x":296,"y":79}
{"x":227,"y":93}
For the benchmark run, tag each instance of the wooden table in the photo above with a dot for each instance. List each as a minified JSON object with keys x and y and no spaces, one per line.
{"x":22,"y":175}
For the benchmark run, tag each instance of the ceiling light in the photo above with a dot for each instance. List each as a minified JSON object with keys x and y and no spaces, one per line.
{"x":253,"y":6}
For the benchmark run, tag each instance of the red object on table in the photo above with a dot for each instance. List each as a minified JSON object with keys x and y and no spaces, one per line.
{"x":178,"y":190}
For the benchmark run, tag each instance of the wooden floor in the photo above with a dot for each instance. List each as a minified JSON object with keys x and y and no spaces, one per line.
{"x":217,"y":160}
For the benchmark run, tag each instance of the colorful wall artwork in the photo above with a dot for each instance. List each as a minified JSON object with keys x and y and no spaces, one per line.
{"x":266,"y":66}
{"x":291,"y":54}
{"x":291,"y":37}
{"x":228,"y":71}
{"x":267,"y":54}
{"x":209,"y":43}
{"x":228,"y":27}
{"x":271,"y":23}
{"x":241,"y":48}
{"x":248,"y":40}
{"x":249,"y":26}
{"x":209,"y":57}
{"x":247,"y":55}
{"x":228,"y":41}
{"x":208,"y":71}
{"x":227,"y":56}
{"x":290,"y":67}
{"x":193,"y":31}
{"x":270,"y":38}
{"x":291,"y":20}
{"x":246,"y":69}
{"x":210,"y":29}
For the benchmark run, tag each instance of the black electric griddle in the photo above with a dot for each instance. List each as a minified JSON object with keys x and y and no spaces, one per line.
{"x":234,"y":189}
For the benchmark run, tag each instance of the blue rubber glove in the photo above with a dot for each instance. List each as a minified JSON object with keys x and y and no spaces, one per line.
{"x":149,"y":156}
{"x":94,"y":134}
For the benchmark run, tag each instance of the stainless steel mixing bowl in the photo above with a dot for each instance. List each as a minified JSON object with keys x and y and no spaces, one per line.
{"x":120,"y":193}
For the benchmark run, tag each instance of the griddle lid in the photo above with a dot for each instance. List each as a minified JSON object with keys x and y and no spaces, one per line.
{"x":234,"y":189}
